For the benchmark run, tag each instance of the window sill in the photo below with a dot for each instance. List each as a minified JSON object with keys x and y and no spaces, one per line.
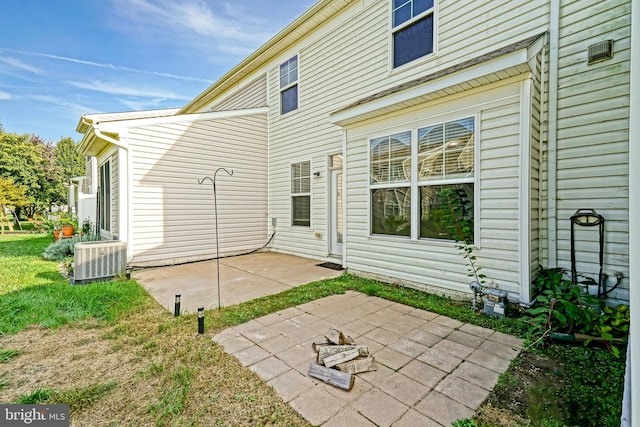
{"x":413,"y":64}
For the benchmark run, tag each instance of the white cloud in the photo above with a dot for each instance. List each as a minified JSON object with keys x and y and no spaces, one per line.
{"x":195,"y":24}
{"x":110,"y":66}
{"x":118,"y":89}
{"x":20,"y":65}
{"x":5,"y":95}
{"x":72,"y":107}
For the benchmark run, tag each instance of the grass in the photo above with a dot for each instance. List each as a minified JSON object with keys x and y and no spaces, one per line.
{"x":77,"y":398}
{"x":170,"y":375}
{"x":33,"y":292}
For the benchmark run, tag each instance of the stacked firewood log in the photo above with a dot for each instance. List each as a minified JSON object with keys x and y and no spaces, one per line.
{"x":339,"y":359}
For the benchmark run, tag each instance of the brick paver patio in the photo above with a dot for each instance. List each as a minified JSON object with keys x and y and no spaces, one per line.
{"x":432,"y":370}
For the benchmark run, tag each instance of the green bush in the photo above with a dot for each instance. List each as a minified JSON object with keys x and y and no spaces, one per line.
{"x":63,"y":248}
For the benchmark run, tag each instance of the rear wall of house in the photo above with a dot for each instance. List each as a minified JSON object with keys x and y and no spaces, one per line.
{"x":593,"y":136}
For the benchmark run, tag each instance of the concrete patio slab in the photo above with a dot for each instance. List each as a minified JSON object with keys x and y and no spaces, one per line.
{"x":440,"y":371}
{"x":242,"y":278}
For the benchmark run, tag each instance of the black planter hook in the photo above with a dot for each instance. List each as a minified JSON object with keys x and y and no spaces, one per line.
{"x":215,"y":210}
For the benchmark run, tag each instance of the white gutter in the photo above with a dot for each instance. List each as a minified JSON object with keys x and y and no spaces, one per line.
{"x":634,"y":211}
{"x":552,"y":145}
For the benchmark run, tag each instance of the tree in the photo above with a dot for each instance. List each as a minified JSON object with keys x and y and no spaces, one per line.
{"x":11,"y":195}
{"x":30,"y":162}
{"x":68,"y":160}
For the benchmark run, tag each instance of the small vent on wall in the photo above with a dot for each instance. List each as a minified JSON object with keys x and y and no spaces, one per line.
{"x":600,"y":52}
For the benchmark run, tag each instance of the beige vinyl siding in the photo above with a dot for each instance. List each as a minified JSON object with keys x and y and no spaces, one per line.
{"x":347,"y":59}
{"x":254,"y":95}
{"x":593,"y":139}
{"x":173,"y":216}
{"x":535,"y":165}
{"x":437,"y":265}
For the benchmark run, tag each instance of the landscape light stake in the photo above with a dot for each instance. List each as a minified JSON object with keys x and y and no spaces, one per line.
{"x":176,"y":310}
{"x":201,"y":320}
{"x":215,"y":209}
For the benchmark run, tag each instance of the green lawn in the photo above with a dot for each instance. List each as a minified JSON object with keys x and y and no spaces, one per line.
{"x":33,"y":292}
{"x":180,"y":377}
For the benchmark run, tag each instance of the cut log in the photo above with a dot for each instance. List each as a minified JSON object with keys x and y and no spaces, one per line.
{"x":316,"y":345}
{"x":357,"y":366}
{"x":330,"y":376}
{"x":336,"y":336}
{"x":342,"y":357}
{"x":330,"y":350}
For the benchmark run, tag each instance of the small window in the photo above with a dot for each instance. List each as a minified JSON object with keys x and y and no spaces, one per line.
{"x":412,"y":22}
{"x":301,"y":194}
{"x":289,"y":85}
{"x":105,"y":196}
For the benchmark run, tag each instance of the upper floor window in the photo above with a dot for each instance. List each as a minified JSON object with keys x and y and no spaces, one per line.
{"x":412,"y":30}
{"x":289,"y":85}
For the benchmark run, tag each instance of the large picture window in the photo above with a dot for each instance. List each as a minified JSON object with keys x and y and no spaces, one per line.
{"x":301,"y":194}
{"x":412,"y":30}
{"x":289,"y":85}
{"x":445,"y":158}
{"x":105,"y":196}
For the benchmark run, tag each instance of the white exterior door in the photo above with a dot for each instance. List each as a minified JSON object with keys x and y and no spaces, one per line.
{"x":336,"y":212}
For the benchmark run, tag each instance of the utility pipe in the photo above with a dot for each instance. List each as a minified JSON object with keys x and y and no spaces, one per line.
{"x":552,"y":140}
{"x":634,"y":212}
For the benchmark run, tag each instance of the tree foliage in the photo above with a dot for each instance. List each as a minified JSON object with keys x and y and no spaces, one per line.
{"x":68,"y":160}
{"x":11,"y":196}
{"x":39,"y":167}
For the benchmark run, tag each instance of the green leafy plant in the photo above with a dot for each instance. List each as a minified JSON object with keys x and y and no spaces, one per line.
{"x":459,"y":223}
{"x":67,"y":219}
{"x":87,"y":226}
{"x":563,"y":308}
{"x":62,"y":249}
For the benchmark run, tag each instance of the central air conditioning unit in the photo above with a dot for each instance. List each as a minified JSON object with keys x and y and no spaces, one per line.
{"x":99,"y":260}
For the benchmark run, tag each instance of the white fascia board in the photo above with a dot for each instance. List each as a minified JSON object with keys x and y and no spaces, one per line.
{"x":121,"y":125}
{"x":486,"y":68}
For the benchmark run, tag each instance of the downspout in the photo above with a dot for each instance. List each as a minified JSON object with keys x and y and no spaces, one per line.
{"x":552,"y":145}
{"x":633,"y":370}
{"x":344,"y":199}
{"x":128,"y":196}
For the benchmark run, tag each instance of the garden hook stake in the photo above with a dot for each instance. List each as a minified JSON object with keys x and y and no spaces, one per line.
{"x":215,"y":210}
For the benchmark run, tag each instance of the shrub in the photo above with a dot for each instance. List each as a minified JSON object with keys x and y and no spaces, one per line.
{"x":63,"y":248}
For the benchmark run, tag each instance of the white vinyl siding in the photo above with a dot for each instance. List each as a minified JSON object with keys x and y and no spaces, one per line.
{"x":173,"y":216}
{"x":347,"y":59}
{"x":253,"y":95}
{"x":593,"y":138}
{"x":432,"y":264}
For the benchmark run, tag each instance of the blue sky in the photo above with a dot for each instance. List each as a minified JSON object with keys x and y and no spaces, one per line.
{"x":60,"y":59}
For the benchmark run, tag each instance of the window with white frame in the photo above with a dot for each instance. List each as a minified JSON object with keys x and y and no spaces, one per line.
{"x":412,"y":30}
{"x":301,"y":194}
{"x":444,"y":157}
{"x":289,"y":85}
{"x":105,"y":196}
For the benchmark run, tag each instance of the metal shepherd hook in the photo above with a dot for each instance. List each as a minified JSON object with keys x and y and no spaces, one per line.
{"x":215,"y":209}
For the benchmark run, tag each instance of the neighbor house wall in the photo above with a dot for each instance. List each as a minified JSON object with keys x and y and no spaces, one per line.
{"x":172,"y":215}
